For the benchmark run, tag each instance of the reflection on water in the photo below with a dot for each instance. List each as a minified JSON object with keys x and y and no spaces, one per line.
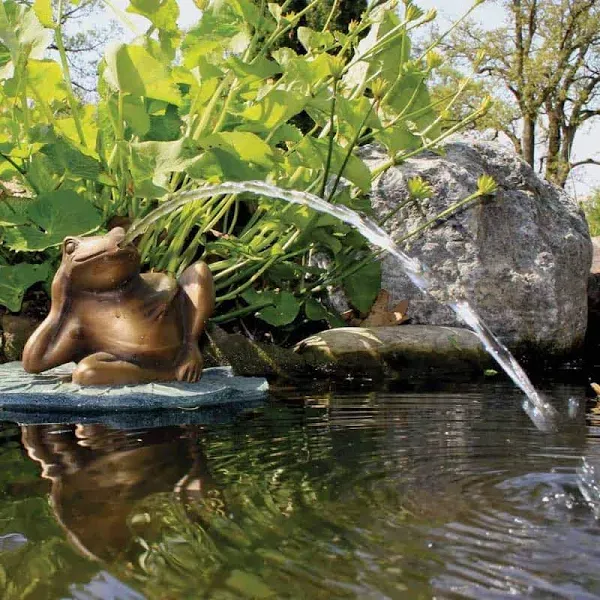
{"x":412,"y":495}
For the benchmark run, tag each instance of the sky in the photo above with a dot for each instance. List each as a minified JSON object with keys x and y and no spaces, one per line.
{"x":584,"y":180}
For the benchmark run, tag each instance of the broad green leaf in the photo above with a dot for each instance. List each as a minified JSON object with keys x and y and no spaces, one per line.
{"x":217,"y":33}
{"x":68,"y":157}
{"x":51,"y":217}
{"x":218,"y":165}
{"x":327,"y":239}
{"x":16,"y":279}
{"x":312,"y":153}
{"x":410,"y":95}
{"x":315,"y":41}
{"x":13,"y":211}
{"x":315,"y":311}
{"x":166,"y":127}
{"x":398,"y":139}
{"x":88,"y":117}
{"x":385,"y":63}
{"x":248,"y":146}
{"x":275,"y":108}
{"x":132,"y":69}
{"x":41,"y":172}
{"x":46,"y":78}
{"x":363,"y":286}
{"x":284,"y":311}
{"x":163,"y":14}
{"x":261,"y":68}
{"x":43,"y":11}
{"x":135,"y":114}
{"x":153,"y":162}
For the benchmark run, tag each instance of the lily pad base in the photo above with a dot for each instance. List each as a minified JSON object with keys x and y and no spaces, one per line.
{"x":53,"y":391}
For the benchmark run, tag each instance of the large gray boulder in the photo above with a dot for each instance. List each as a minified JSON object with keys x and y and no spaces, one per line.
{"x":522,"y":258}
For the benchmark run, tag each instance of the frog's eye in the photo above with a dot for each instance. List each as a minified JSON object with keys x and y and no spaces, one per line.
{"x":70,"y":246}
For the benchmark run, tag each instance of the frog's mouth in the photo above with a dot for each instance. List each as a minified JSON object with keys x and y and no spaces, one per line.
{"x":116,"y":252}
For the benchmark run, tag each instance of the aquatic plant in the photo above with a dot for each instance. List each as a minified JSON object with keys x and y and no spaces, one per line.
{"x":217,"y":102}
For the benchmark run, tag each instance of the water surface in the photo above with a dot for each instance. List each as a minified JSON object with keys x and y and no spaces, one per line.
{"x":439,"y":494}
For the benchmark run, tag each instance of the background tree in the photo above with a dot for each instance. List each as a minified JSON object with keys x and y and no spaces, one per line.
{"x":542,"y":66}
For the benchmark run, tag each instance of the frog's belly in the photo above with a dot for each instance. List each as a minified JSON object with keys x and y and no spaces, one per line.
{"x":130,"y":336}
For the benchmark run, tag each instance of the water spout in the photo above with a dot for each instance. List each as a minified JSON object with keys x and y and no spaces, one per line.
{"x":541,"y":412}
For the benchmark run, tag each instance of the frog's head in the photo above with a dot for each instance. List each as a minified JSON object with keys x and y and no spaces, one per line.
{"x":99,"y":263}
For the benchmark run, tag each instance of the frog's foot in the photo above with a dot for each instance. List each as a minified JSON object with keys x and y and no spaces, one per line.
{"x":190,"y":367}
{"x":103,"y":368}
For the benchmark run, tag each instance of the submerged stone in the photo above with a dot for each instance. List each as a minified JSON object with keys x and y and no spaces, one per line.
{"x":53,"y":391}
{"x":398,"y":352}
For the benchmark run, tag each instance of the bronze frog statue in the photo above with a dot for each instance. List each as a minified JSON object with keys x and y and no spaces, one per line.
{"x":120,"y":326}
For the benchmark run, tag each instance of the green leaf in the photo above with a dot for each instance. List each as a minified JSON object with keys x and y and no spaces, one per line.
{"x":315,"y":311}
{"x":165,"y":128}
{"x":218,"y":33}
{"x":284,"y":311}
{"x":134,"y":113}
{"x":275,"y":108}
{"x":315,"y":41}
{"x":363,"y":286}
{"x":328,"y":240}
{"x":43,"y":11}
{"x":13,"y":211}
{"x":312,"y":153}
{"x":68,"y":157}
{"x":153,"y":162}
{"x":16,"y":279}
{"x":133,"y":70}
{"x":248,"y":146}
{"x":220,"y":165}
{"x":261,"y":68}
{"x":51,"y":217}
{"x":387,"y":62}
{"x":163,"y":14}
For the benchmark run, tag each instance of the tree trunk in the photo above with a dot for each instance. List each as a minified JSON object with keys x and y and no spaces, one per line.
{"x":529,"y":140}
{"x":554,"y":147}
{"x":566,"y":150}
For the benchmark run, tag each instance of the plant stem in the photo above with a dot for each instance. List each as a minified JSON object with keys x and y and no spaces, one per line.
{"x":67,"y":74}
{"x":331,"y":138}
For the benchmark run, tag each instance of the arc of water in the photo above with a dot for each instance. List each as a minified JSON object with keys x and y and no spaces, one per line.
{"x":541,"y":412}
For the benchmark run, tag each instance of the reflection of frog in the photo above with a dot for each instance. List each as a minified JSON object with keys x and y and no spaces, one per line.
{"x":120,"y":326}
{"x":100,"y":475}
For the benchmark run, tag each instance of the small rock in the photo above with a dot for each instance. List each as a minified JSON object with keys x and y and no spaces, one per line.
{"x":250,"y":358}
{"x":17,"y":330}
{"x":396,"y":352}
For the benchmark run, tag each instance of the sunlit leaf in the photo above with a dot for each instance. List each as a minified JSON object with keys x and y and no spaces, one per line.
{"x":132,"y":69}
{"x":248,"y":146}
{"x":43,"y":11}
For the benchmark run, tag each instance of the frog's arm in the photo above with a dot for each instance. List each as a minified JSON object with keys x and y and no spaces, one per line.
{"x":55,"y":341}
{"x":164,"y":291}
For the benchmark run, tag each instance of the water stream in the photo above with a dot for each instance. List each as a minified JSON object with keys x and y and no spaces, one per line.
{"x":541,"y":412}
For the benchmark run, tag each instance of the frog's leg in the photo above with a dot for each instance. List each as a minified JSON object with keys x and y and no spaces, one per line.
{"x":103,"y":368}
{"x":198,"y":304}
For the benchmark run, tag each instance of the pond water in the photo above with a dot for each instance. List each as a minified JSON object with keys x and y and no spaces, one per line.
{"x":407,"y":494}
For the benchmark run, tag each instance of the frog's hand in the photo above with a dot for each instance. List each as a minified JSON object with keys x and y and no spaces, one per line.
{"x":53,"y":343}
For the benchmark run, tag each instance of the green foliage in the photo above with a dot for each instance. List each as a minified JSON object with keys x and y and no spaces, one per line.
{"x":216,"y":102}
{"x":540,"y":65}
{"x":592,"y":212}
